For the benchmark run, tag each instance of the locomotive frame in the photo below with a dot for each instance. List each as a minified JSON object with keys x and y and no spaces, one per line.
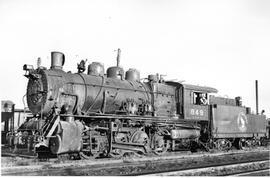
{"x":94,"y":114}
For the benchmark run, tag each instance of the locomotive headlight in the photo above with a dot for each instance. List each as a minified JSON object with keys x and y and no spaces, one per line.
{"x":29,"y":72}
{"x":28,"y":67}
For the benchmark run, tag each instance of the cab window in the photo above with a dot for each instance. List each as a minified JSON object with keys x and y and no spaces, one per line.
{"x":200,"y":98}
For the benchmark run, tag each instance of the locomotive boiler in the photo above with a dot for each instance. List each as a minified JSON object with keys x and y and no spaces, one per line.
{"x":82,"y":93}
{"x":96,"y":113}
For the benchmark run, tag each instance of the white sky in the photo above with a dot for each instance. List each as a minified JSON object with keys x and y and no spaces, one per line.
{"x":221,"y":44}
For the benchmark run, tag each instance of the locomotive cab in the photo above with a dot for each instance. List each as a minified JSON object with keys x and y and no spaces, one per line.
{"x":196,"y":101}
{"x":192,"y":101}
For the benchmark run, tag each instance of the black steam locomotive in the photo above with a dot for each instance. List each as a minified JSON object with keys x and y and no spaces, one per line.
{"x":92,"y":114}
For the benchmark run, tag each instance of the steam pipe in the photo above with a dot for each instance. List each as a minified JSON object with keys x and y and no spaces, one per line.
{"x":256,"y":90}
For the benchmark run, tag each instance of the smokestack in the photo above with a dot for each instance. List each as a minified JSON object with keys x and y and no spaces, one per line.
{"x":118,"y":57}
{"x":256,"y":90}
{"x":58,"y":60}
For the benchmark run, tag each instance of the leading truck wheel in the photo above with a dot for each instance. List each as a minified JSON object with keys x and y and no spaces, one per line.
{"x":91,"y":145}
{"x":94,"y":145}
{"x":86,"y":151}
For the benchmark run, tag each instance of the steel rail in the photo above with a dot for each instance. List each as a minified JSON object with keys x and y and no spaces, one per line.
{"x":253,"y":173}
{"x":209,"y":170}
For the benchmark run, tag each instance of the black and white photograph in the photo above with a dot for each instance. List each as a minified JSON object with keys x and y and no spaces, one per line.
{"x":135,"y":87}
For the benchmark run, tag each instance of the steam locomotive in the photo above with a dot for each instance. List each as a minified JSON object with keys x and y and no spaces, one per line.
{"x":93,"y":114}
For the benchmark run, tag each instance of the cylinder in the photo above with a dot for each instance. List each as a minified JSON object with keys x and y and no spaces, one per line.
{"x":58,"y":60}
{"x":96,"y":68}
{"x":69,"y":140}
{"x":133,"y":75}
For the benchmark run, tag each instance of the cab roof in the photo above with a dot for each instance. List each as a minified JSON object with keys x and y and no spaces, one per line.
{"x":193,"y":87}
{"x":200,"y":88}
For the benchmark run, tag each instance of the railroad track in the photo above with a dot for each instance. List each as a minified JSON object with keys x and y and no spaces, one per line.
{"x":262,"y":172}
{"x":139,"y":166}
{"x":169,"y":155}
{"x":237,"y":169}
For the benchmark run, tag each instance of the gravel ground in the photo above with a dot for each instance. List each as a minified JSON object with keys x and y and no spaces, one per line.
{"x":123,"y":166}
{"x":7,"y":161}
{"x":220,"y":170}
